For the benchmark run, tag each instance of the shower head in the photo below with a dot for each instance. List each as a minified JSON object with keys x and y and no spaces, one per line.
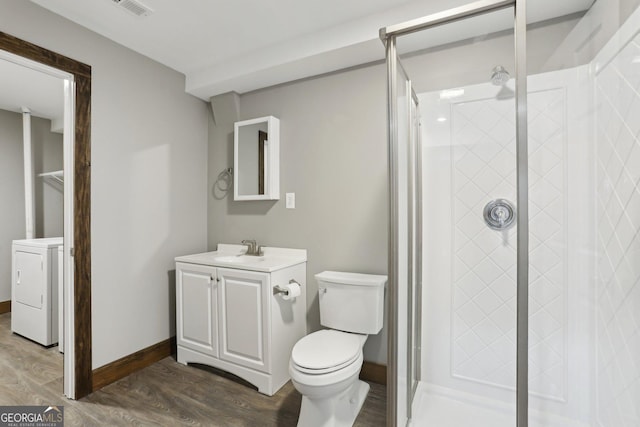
{"x":500,"y":76}
{"x":505,"y":93}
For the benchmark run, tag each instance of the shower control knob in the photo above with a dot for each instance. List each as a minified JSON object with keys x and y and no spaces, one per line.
{"x":499,"y":214}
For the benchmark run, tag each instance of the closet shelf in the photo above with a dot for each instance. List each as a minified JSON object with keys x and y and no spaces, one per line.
{"x":55,"y":175}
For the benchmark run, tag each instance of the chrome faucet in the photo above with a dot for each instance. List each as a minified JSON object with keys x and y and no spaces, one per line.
{"x":252,"y":247}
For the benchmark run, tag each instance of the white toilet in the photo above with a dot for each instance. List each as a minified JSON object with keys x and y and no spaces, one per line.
{"x":325,"y":365}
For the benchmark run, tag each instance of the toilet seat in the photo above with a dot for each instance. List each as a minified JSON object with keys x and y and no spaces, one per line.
{"x":326,"y":351}
{"x":326,"y":381}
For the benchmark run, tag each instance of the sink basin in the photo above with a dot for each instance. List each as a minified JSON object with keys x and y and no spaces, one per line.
{"x":239,"y":259}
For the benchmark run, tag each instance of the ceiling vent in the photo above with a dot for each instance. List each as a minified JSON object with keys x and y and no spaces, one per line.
{"x":134,"y":7}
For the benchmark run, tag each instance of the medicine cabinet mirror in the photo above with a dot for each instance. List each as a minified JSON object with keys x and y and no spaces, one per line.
{"x":256,"y":163}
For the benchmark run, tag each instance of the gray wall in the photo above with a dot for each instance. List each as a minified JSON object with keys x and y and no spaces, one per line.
{"x":471,"y":61}
{"x":333,"y":156}
{"x":12,"y":221}
{"x":148,"y":179}
{"x":587,"y":37}
{"x":48,"y":194}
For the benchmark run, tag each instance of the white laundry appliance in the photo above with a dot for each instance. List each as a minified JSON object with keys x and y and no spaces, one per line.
{"x":34,"y":289}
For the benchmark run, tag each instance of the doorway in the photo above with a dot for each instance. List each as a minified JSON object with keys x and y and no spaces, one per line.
{"x":77,"y":237}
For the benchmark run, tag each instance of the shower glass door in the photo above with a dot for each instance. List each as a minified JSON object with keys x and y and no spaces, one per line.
{"x":407,"y":247}
{"x":453,"y":247}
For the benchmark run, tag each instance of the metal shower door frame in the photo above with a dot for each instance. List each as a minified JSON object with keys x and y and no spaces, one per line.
{"x":389,"y":35}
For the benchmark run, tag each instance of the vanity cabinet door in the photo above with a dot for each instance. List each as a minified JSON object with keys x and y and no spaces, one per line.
{"x":197,"y":308}
{"x":244,"y":318}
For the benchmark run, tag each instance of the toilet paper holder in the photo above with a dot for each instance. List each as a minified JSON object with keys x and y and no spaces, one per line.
{"x":277,"y":289}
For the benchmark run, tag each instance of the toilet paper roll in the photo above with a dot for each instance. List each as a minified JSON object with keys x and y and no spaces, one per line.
{"x":293,"y":290}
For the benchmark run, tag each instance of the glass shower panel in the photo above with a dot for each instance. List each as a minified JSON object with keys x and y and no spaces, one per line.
{"x":560,"y":229}
{"x":414,"y":318}
{"x":463,"y":73}
{"x":584,"y":163}
{"x":617,"y":296}
{"x":406,"y":244}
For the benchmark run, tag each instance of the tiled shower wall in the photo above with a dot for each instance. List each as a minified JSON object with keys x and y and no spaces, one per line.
{"x":618,"y":241}
{"x":484,"y":272}
{"x":470,"y":269}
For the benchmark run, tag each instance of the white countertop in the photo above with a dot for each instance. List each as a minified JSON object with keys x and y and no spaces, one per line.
{"x":232,"y":256}
{"x":45,"y":242}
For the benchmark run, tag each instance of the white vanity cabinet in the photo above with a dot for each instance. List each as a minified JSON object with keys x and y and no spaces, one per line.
{"x":245,"y":298}
{"x":197,"y":308}
{"x":230,"y":315}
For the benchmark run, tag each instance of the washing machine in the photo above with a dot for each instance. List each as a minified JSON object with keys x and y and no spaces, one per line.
{"x":34,"y":289}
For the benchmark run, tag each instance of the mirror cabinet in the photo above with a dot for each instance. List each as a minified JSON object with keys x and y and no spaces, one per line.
{"x":256,"y":163}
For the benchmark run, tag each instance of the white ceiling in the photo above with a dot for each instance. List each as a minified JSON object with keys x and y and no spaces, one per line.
{"x":243,"y":45}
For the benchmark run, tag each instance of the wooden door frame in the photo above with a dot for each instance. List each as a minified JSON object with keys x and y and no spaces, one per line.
{"x":82,"y":199}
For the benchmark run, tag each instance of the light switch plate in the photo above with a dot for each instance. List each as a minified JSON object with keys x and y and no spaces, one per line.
{"x":291,"y":200}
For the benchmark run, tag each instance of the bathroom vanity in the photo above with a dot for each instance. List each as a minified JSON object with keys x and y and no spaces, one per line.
{"x":234,"y":311}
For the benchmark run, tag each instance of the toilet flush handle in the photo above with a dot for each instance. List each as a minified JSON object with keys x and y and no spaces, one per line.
{"x":322,"y":290}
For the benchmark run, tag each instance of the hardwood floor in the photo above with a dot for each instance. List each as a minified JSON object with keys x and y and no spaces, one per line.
{"x":164,"y":394}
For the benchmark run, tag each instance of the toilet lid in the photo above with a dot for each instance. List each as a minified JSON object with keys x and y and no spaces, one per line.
{"x":326,"y":349}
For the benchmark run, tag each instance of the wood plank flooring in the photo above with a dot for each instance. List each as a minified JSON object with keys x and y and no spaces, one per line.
{"x":163,"y":394}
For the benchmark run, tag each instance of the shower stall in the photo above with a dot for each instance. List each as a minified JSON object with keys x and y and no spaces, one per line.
{"x":514,"y":182}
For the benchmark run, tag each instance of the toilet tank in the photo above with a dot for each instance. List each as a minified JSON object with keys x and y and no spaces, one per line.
{"x":351,"y":302}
